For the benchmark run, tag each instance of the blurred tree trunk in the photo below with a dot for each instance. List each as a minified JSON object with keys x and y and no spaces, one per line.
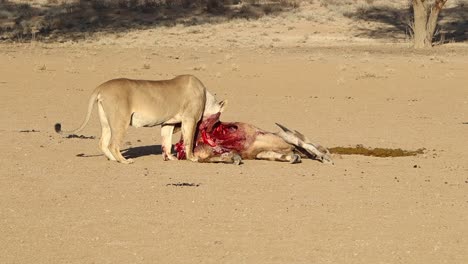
{"x":425,"y":21}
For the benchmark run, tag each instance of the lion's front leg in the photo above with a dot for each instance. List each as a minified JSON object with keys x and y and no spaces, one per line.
{"x":166,"y":143}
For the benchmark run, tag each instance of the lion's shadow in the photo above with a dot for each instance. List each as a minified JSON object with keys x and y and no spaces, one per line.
{"x":136,"y":152}
{"x":133,"y":152}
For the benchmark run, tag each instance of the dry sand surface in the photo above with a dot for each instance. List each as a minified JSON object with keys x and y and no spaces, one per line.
{"x":61,"y":201}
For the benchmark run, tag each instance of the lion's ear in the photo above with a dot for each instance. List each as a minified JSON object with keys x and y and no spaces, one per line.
{"x":222,"y":105}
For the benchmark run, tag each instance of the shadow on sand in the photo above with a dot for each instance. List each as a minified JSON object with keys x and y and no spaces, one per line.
{"x":136,"y":152}
{"x":70,"y":21}
{"x":131,"y":153}
{"x":395,"y":23}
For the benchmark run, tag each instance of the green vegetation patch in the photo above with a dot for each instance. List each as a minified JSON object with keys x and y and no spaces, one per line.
{"x":375,"y":152}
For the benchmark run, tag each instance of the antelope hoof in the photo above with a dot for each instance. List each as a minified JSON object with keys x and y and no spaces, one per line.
{"x":236,"y":160}
{"x":295,"y":159}
{"x":194,"y":159}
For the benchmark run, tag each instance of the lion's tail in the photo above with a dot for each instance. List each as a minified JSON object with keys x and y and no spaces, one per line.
{"x":92,"y":101}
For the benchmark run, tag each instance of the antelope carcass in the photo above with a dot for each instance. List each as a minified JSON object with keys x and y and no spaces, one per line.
{"x":230,"y":142}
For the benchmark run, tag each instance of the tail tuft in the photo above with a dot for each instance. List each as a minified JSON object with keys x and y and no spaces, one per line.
{"x":58,"y":128}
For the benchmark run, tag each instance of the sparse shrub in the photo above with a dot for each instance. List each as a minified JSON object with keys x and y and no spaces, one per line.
{"x":95,"y":4}
{"x":25,"y":11}
{"x":128,"y":4}
{"x":188,"y":3}
{"x":215,"y":6}
{"x":100,"y":5}
{"x":327,"y":3}
{"x":250,"y":11}
{"x":133,"y":4}
{"x":5,"y":14}
{"x":289,"y":3}
{"x":122,"y":3}
{"x":267,"y":9}
{"x":70,"y":19}
{"x":151,"y":4}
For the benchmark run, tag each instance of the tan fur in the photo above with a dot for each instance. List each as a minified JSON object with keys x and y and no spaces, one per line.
{"x":286,"y":145}
{"x":144,"y":103}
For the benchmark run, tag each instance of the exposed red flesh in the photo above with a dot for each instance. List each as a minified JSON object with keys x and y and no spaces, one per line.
{"x":222,"y":137}
{"x":180,"y":149}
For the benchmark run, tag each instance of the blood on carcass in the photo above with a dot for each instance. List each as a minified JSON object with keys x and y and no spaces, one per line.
{"x":222,"y":137}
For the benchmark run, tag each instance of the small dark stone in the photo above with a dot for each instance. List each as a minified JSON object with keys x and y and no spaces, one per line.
{"x":183,"y":184}
{"x":29,"y":131}
{"x":80,"y":136}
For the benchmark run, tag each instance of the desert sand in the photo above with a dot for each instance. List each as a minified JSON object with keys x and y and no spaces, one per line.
{"x":61,"y":201}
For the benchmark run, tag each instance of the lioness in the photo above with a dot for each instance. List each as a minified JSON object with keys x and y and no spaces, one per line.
{"x":144,"y":103}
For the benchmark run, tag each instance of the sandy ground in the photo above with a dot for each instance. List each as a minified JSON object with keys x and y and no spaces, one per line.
{"x":61,"y":201}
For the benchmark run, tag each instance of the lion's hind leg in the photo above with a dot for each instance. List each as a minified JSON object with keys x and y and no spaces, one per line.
{"x":106,"y":133}
{"x":119,"y":120}
{"x":117,"y":134}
